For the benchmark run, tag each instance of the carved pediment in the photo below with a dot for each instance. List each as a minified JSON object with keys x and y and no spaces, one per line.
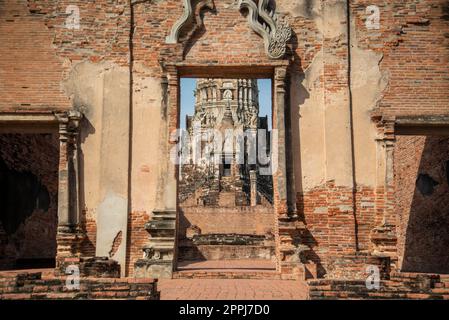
{"x":275,"y":32}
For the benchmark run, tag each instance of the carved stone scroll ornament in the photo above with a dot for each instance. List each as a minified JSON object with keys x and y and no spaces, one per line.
{"x":187,"y":16}
{"x":275,"y":33}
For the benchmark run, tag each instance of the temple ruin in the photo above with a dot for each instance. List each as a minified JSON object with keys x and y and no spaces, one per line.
{"x":96,"y":179}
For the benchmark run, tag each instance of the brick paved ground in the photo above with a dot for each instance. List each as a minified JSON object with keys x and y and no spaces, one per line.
{"x":211,"y":288}
{"x":235,"y":289}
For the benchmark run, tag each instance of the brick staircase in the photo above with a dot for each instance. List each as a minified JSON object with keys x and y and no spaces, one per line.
{"x":23,"y":285}
{"x":400,"y":286}
{"x":226,"y":199}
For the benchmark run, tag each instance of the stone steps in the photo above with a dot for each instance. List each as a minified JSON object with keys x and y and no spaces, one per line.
{"x":227,"y":269}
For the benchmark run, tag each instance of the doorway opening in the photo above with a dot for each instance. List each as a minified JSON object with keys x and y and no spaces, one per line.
{"x":28,"y":200}
{"x":225,"y":189}
{"x":422,"y":202}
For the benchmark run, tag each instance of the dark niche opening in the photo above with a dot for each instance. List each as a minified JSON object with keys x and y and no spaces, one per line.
{"x":28,"y":200}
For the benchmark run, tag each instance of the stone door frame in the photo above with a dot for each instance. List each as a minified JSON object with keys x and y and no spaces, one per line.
{"x":168,"y":186}
{"x":384,"y":236}
{"x":66,"y":124}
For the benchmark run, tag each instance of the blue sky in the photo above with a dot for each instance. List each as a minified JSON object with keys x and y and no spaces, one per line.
{"x":188,"y":100}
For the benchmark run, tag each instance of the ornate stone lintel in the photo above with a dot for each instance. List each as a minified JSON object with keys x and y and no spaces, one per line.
{"x":187,"y":16}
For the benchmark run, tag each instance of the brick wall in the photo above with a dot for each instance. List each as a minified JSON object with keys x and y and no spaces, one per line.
{"x":137,"y":239}
{"x":335,"y":230}
{"x":35,"y":81}
{"x":413,"y":38}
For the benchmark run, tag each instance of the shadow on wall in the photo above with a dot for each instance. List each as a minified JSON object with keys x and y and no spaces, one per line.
{"x":296,"y":99}
{"x":87,"y":246}
{"x":426,"y":247}
{"x":21,"y":193}
{"x":445,"y":15}
{"x":299,"y":94}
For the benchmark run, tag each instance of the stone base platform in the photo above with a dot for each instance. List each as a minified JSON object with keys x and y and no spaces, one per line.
{"x":44,"y":285}
{"x":226,"y":252}
{"x":401,"y":286}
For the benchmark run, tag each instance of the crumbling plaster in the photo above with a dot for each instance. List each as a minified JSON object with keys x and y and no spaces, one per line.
{"x":147,"y":97}
{"x":307,"y":96}
{"x":101,"y":91}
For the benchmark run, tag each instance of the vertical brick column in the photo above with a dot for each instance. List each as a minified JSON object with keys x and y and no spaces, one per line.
{"x":288,"y":228}
{"x":338,"y":129}
{"x":384,"y":235}
{"x":160,"y":254}
{"x":280,"y":171}
{"x":69,"y":235}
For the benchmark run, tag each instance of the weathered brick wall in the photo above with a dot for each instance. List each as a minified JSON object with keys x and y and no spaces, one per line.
{"x":422,"y":202}
{"x":103,"y":34}
{"x":29,"y":199}
{"x":325,"y":223}
{"x":137,"y":239}
{"x":413,"y":39}
{"x":39,"y":286}
{"x":31,"y":71}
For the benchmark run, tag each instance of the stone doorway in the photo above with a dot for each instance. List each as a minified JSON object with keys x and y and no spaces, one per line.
{"x":28,"y":199}
{"x":225,"y":187}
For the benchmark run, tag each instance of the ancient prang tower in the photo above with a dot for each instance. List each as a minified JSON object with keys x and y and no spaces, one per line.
{"x":227,"y":113}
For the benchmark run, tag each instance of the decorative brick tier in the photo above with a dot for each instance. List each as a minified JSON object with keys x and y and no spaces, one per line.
{"x":400,"y":286}
{"x":36,"y":286}
{"x":354,"y":266}
{"x":226,"y":247}
{"x":227,"y":239}
{"x":225,"y":252}
{"x":255,"y":275}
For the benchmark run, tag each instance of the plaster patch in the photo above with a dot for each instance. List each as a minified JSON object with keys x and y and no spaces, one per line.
{"x":110,"y":223}
{"x":308,"y":104}
{"x":368,"y":83}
